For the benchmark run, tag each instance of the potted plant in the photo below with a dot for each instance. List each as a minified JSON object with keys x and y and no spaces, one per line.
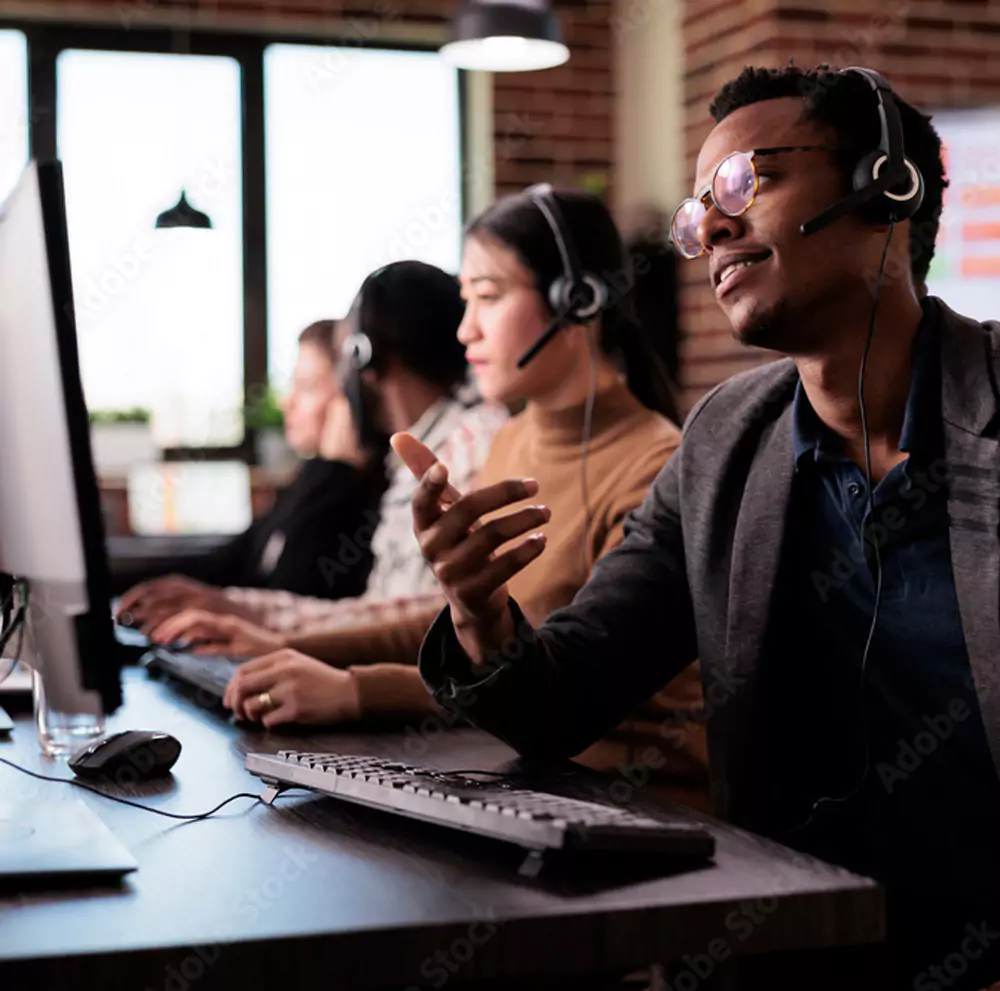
{"x":262,"y":414}
{"x":121,"y":438}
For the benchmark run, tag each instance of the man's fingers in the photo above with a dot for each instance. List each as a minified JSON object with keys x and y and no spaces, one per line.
{"x":479,"y":588}
{"x":456,"y":523}
{"x":452,"y":559}
{"x":416,"y":456}
{"x":427,"y":500}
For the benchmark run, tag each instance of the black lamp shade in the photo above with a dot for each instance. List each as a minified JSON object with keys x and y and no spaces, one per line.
{"x":183,"y":215}
{"x":506,"y":37}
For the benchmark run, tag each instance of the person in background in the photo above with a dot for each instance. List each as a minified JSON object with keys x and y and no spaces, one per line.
{"x":510,"y":260}
{"x":415,"y":376}
{"x":335,"y":490}
{"x":654,"y":262}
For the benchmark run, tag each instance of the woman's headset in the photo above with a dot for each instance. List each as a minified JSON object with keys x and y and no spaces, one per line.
{"x":576,"y":296}
{"x":356,"y":354}
{"x":888,"y":187}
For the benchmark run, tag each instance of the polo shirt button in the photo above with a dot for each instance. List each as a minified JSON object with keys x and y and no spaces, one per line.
{"x":854,"y":489}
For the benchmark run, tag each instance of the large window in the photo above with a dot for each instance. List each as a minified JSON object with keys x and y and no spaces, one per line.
{"x":363,"y":167}
{"x":315,"y":164}
{"x":13,"y":108}
{"x":965,"y":271}
{"x":159,"y":311}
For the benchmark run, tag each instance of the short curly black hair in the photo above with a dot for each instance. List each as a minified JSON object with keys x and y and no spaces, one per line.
{"x":833,"y":98}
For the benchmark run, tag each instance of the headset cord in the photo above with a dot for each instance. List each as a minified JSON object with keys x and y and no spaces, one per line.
{"x":862,"y":779}
{"x":588,"y":426}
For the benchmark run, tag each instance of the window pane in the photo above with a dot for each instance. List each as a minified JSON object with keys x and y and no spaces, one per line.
{"x":965,"y":271}
{"x":159,"y":311}
{"x":363,"y":168}
{"x":13,"y":108}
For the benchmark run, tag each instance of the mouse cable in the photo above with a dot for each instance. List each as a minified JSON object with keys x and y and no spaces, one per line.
{"x":126,"y":801}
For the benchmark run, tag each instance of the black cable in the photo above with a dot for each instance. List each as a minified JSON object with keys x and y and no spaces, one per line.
{"x":847,"y":796}
{"x":588,"y":424}
{"x":126,"y":801}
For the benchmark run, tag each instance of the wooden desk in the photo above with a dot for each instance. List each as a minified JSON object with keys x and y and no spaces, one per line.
{"x":314,"y":890}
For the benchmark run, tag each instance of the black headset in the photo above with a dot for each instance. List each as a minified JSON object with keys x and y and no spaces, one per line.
{"x":888,"y":187}
{"x":356,"y":355}
{"x":576,"y":296}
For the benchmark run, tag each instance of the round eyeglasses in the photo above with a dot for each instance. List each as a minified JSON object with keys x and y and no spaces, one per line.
{"x":732,"y":191}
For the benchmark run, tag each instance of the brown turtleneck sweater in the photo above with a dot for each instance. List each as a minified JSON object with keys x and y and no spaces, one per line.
{"x":629,"y":444}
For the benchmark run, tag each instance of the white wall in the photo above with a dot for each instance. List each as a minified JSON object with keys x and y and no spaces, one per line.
{"x":649,"y":67}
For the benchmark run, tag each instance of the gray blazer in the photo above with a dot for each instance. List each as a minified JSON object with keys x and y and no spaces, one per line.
{"x":695,"y":574}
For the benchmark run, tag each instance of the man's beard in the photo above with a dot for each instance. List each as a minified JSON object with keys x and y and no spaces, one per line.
{"x":766,"y":329}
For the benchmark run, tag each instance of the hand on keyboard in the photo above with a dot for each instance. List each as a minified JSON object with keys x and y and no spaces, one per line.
{"x":288,"y":687}
{"x":210,"y":633}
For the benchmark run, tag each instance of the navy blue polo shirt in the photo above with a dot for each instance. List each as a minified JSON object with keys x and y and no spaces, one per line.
{"x":927,"y":819}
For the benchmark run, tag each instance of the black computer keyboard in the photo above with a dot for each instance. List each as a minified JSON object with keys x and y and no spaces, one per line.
{"x":536,"y":820}
{"x":210,"y":674}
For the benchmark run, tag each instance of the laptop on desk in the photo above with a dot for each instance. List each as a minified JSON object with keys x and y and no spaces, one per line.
{"x":58,"y":842}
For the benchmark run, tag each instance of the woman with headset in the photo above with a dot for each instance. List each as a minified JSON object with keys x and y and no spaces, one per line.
{"x":399,"y":367}
{"x":548,"y":323}
{"x":280,"y":549}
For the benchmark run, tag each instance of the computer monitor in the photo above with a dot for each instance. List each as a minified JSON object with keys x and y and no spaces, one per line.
{"x":51,"y":527}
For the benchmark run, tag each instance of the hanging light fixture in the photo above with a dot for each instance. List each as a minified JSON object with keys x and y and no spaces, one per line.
{"x":182,"y":214}
{"x":506,"y":36}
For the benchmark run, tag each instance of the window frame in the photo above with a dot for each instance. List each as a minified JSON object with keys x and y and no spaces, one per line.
{"x":46,"y":40}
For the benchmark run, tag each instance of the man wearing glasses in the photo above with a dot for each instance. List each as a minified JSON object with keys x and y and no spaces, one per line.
{"x":833,"y":562}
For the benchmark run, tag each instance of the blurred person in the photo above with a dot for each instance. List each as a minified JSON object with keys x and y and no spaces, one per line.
{"x":654,"y":262}
{"x":510,"y":262}
{"x":399,"y":346}
{"x":334,"y":490}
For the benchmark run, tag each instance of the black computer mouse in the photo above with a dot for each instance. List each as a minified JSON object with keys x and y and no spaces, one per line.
{"x":133,"y":755}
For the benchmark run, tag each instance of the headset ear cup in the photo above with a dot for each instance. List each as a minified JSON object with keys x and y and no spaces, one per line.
{"x":904,"y":209}
{"x":876,"y":210}
{"x":559,"y":294}
{"x":885,"y":209}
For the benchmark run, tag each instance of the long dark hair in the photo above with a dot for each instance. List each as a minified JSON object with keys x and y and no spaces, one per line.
{"x":516,"y":222}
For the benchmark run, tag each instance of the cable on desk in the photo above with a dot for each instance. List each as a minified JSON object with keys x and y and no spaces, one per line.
{"x":126,"y":801}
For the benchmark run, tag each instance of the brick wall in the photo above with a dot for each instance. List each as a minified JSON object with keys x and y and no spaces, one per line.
{"x":554,"y":125}
{"x":936,"y":53}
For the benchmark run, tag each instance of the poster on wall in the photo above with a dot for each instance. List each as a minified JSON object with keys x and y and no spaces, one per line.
{"x":965,"y":271}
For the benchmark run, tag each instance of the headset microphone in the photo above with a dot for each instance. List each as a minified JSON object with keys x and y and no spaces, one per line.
{"x":880,"y":175}
{"x":575,"y":295}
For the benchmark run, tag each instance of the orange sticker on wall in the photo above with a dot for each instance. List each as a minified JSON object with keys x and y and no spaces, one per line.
{"x":973,"y":267}
{"x":981,"y":232}
{"x":981,"y":195}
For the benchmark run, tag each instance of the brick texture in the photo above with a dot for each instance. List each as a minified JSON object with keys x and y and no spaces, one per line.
{"x":936,"y":53}
{"x":554,"y":126}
